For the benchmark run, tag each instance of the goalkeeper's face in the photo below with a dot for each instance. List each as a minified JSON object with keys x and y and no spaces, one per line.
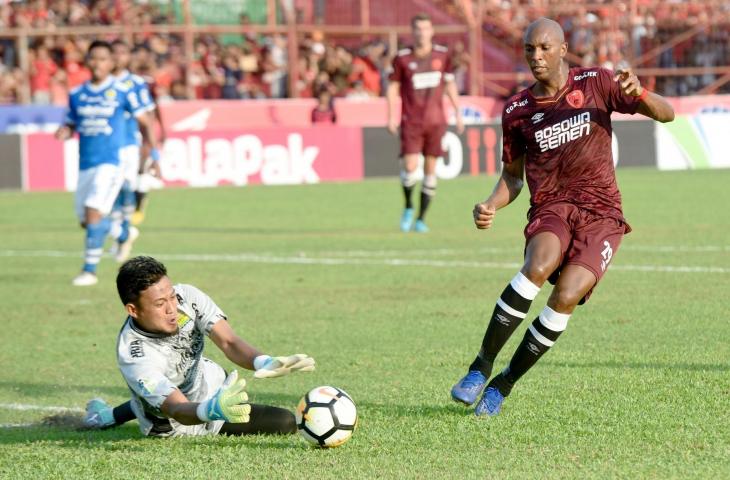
{"x":156,"y":309}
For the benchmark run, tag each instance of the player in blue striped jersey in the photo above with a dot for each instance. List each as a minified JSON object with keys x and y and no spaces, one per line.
{"x":96,"y":113}
{"x":130,"y":154}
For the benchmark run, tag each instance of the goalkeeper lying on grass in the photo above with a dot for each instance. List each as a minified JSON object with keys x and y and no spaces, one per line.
{"x":175,"y":390}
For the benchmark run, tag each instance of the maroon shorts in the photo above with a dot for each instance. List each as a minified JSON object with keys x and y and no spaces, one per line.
{"x":425,"y":139}
{"x":586,"y":239}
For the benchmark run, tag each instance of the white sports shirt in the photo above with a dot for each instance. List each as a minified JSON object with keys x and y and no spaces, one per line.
{"x":153,"y":365}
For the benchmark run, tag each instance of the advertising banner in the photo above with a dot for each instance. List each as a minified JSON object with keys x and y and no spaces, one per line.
{"x":698,"y":141}
{"x":206,"y":159}
{"x":479,"y":149}
{"x":11,"y":168}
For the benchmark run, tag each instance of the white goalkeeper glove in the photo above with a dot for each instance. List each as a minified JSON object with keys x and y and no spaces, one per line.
{"x":269,"y":367}
{"x":228,"y":403}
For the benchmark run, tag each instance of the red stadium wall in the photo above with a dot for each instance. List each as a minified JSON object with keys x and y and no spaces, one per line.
{"x":273,"y":143}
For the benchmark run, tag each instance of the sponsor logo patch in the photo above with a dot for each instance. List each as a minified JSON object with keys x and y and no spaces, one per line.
{"x":516,"y":105}
{"x":585,"y":75}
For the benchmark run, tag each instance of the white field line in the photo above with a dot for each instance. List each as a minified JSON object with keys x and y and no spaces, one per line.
{"x":303,"y":259}
{"x":18,"y":425}
{"x":40,"y":408}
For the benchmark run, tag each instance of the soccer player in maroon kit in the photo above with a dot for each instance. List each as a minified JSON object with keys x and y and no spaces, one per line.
{"x":558,"y":133}
{"x":421,"y":75}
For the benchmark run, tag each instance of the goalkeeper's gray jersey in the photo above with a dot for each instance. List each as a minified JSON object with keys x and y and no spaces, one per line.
{"x":154,"y":365}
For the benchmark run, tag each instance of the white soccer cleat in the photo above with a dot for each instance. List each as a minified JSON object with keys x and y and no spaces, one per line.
{"x":125,"y":249}
{"x":85,"y":279}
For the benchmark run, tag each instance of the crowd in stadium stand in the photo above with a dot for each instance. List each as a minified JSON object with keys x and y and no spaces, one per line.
{"x":256,"y":66}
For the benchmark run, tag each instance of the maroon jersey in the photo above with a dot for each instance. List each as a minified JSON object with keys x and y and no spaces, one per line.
{"x":324,"y":116}
{"x":567,"y":141}
{"x":422,"y":84}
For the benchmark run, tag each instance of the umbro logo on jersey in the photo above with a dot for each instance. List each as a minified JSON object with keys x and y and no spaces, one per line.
{"x":537,"y":118}
{"x":413,"y":65}
{"x":575,"y":99}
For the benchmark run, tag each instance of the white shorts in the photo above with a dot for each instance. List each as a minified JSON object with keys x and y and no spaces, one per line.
{"x":97,"y":188}
{"x":129,"y":162}
{"x":213,"y":377}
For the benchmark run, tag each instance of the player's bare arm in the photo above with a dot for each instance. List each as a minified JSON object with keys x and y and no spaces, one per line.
{"x":392,"y":96}
{"x":145,"y":128}
{"x":64,"y":132}
{"x":177,"y":406}
{"x":508,"y":187}
{"x":652,"y":105}
{"x":453,"y":94}
{"x":234,"y":347}
{"x":229,"y":403}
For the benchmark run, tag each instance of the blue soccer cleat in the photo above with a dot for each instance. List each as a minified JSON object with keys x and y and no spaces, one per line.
{"x":468,"y":388}
{"x":490,"y":404}
{"x":421,"y":227}
{"x":406,"y":220}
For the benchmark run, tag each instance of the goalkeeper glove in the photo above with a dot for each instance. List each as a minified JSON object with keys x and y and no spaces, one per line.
{"x":228,"y":403}
{"x":269,"y":367}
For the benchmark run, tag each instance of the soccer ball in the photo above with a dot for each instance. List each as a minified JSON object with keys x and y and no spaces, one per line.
{"x":326,"y":416}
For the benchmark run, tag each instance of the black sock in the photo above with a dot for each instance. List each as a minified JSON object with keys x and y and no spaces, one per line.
{"x":138,"y":199}
{"x":408,"y":193}
{"x":264,"y":419}
{"x":428,"y":190}
{"x":501,"y":326}
{"x":425,"y":202}
{"x":123,"y":413}
{"x":537,"y":340}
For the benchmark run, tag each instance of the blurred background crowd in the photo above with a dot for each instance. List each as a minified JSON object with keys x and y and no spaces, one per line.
{"x":256,"y":65}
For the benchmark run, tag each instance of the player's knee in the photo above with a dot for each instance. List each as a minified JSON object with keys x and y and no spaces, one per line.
{"x":538,"y":272}
{"x":408,"y":179}
{"x":565,"y":298}
{"x":429,"y":185}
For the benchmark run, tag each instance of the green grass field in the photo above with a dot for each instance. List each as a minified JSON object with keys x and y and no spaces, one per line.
{"x":637,"y":387}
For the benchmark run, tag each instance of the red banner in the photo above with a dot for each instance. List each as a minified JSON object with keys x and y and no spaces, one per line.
{"x":219,"y":115}
{"x":271,"y":156}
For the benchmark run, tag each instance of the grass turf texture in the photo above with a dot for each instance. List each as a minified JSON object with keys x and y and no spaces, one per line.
{"x":637,"y":387}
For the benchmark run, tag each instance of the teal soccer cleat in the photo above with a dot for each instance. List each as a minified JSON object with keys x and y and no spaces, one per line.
{"x":406,"y":220}
{"x":421,"y":227}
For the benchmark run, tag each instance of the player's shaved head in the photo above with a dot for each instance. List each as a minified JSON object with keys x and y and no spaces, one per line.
{"x":543,"y":27}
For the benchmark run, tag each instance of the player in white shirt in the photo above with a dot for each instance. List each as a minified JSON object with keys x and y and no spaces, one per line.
{"x":175,"y":390}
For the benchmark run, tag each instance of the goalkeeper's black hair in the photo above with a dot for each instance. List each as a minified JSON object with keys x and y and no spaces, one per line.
{"x":137,"y":275}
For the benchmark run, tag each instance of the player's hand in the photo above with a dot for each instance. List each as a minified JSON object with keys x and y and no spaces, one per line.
{"x":393,"y":127}
{"x":228,"y":404}
{"x":484,"y":215}
{"x":459,"y":125}
{"x":628,"y":81}
{"x":270,"y":367}
{"x":155,"y":171}
{"x":63,"y":133}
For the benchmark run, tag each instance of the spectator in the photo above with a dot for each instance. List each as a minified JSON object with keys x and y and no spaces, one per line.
{"x":42,"y":71}
{"x":324,"y":112}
